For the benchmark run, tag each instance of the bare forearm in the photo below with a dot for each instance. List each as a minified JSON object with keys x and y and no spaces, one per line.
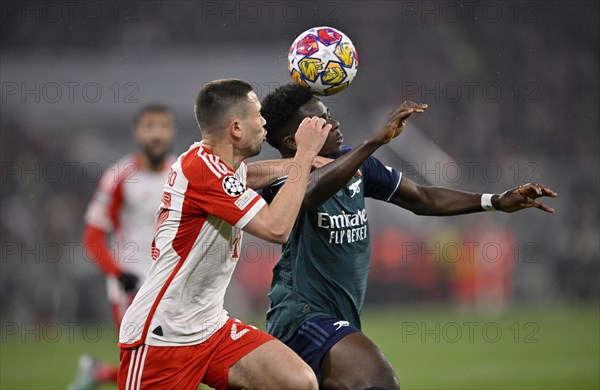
{"x":327,"y":180}
{"x":445,"y":201}
{"x":439,"y":201}
{"x":263,"y":173}
{"x":286,"y":205}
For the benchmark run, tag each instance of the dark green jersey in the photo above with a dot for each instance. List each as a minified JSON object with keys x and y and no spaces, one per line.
{"x":324,"y":265}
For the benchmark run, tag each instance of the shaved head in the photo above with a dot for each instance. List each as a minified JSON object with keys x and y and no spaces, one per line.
{"x":220,"y":99}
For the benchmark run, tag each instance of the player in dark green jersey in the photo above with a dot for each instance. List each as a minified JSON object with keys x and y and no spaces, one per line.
{"x":320,"y":281}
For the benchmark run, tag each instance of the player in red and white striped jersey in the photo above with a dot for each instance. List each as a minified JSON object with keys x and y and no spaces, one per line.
{"x":123,"y":211}
{"x":176,"y":334}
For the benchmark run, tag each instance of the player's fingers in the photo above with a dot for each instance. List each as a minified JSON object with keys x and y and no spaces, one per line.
{"x":404,"y":114}
{"x":542,"y":207}
{"x":530,"y":202}
{"x":527,"y":202}
{"x":548,"y":191}
{"x":411,"y":104}
{"x":415,"y":107}
{"x":531,"y":189}
{"x":537,"y":188}
{"x":420,"y":107}
{"x":310,"y":122}
{"x":318,"y":122}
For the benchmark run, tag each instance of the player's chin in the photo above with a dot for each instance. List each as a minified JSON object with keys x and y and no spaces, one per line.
{"x":157,"y":158}
{"x":255,"y":151}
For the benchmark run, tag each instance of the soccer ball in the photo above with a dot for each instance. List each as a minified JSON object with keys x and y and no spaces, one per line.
{"x":323,"y":59}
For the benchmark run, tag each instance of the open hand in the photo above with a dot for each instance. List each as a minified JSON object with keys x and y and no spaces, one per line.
{"x":523,"y":197}
{"x":396,"y":121}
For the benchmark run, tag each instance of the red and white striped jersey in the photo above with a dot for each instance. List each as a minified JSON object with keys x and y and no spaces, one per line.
{"x":125,"y":205}
{"x":196,"y":247}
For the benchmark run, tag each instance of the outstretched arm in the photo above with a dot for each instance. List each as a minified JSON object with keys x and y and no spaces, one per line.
{"x":439,"y":201}
{"x":274,"y":222}
{"x":327,"y":180}
{"x":263,"y":173}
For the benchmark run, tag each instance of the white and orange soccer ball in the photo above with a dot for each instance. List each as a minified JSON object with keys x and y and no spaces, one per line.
{"x":324,"y":60}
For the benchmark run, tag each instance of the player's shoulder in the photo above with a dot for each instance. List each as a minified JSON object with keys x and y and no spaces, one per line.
{"x":200,"y":165}
{"x":365,"y":165}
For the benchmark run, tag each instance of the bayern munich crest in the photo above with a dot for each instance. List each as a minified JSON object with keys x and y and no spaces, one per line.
{"x":232,"y":186}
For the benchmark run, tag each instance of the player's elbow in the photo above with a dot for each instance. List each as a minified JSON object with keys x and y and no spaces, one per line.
{"x":423,"y":204}
{"x":279,"y":236}
{"x":278,"y":233}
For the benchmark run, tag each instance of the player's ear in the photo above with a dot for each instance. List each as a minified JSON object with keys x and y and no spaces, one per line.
{"x":290,"y":142}
{"x":234,"y":129}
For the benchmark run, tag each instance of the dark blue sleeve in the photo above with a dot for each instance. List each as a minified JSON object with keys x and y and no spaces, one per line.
{"x":269,"y":192}
{"x":380,"y":181}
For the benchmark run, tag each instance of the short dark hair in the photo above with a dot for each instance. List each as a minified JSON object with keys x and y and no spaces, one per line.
{"x":217,"y":97}
{"x":280,"y":107}
{"x":160,"y":108}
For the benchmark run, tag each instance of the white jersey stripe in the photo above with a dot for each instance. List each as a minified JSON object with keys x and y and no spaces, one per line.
{"x":222,"y":168}
{"x":251,"y":213}
{"x":138,"y":355}
{"x":131,"y":361}
{"x":142,"y":361}
{"x":208,"y":164}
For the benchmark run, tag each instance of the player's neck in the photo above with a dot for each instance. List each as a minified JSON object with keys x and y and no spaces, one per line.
{"x":226,"y":152}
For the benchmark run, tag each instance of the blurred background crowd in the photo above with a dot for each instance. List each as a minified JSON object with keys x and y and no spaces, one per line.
{"x":512,"y":89}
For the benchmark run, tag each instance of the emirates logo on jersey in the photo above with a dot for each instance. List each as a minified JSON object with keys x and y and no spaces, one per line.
{"x":232,"y":186}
